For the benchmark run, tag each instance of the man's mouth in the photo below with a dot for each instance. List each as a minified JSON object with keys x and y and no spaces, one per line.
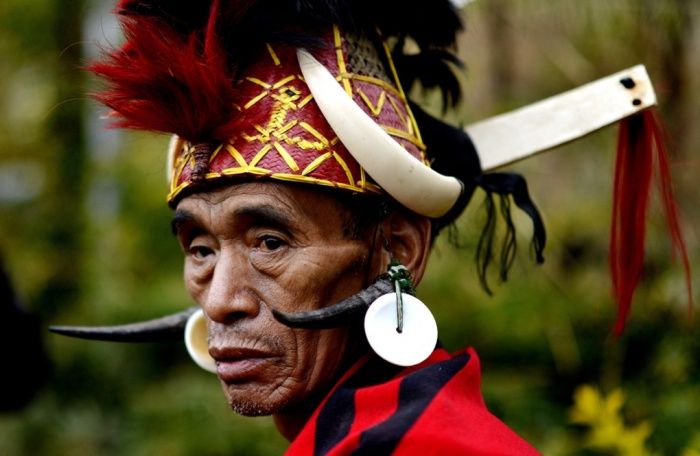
{"x":238,"y":364}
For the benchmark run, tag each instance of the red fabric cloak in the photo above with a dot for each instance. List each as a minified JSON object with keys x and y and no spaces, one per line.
{"x":435,"y":408}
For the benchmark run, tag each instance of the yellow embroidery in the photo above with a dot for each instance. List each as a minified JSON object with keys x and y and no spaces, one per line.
{"x":282,"y":82}
{"x":305,"y":101}
{"x":402,"y":95}
{"x":252,"y":102}
{"x":376,"y":110}
{"x":398,"y":111}
{"x":257,"y":81}
{"x":316,"y":163}
{"x":285,"y":99}
{"x":177,"y":190}
{"x":306,"y":179}
{"x":367,"y":188}
{"x":216,"y":152}
{"x":236,"y":156}
{"x":281,"y":132}
{"x":305,"y":144}
{"x":370,"y":80}
{"x":341,"y":58}
{"x":363,"y":179}
{"x":315,"y":133}
{"x":263,"y":132}
{"x":286,"y":157}
{"x":271,"y":51}
{"x":343,"y":165}
{"x":402,"y":134}
{"x":259,"y":156}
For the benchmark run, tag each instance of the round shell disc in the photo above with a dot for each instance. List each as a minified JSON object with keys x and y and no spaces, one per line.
{"x":196,"y":335}
{"x":411,"y":346}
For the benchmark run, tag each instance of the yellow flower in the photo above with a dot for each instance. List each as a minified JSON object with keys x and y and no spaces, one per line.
{"x":608,"y":431}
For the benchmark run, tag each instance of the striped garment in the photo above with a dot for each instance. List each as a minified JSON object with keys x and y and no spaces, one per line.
{"x":435,"y":408}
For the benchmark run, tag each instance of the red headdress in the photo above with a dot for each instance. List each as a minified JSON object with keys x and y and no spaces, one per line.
{"x":225,"y":80}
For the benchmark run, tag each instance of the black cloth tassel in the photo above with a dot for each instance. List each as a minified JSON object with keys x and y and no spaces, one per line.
{"x":507,"y":186}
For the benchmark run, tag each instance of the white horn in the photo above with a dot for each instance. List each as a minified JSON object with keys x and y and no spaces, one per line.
{"x":196,"y":335}
{"x":518,"y":134}
{"x":403,"y":176}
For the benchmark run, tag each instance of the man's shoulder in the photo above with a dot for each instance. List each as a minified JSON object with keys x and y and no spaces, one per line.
{"x":433,"y":408}
{"x":456,"y":420}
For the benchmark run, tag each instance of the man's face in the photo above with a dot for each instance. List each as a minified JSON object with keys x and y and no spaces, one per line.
{"x":254,"y":247}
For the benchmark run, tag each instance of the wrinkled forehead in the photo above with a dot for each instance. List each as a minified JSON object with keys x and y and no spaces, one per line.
{"x":279,"y":203}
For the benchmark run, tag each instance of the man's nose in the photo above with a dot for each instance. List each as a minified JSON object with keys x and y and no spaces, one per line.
{"x":230,"y":296}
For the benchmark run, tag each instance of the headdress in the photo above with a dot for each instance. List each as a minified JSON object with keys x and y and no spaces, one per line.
{"x":314,"y":92}
{"x":247,"y":90}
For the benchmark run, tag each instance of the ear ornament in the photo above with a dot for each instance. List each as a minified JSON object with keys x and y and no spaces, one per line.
{"x":399,"y":327}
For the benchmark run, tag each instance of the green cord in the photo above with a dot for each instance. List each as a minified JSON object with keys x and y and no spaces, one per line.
{"x":399,"y":273}
{"x":401,"y":277}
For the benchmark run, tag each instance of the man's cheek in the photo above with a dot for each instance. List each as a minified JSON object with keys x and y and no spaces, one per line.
{"x":298,"y":292}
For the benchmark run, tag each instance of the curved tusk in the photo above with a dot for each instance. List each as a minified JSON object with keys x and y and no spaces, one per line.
{"x":337,"y":314}
{"x":192,"y":323}
{"x":197,"y":335}
{"x":404,"y":177}
{"x":169,"y":328}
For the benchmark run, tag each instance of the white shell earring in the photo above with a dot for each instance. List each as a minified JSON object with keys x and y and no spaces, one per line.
{"x":196,"y":335}
{"x":398,"y":326}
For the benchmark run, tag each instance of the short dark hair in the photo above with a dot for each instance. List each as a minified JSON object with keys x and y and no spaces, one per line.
{"x":364,"y":211}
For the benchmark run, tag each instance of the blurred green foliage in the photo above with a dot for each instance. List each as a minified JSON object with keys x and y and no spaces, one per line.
{"x":84,"y":231}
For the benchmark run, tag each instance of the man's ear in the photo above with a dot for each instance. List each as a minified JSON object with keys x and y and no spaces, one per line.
{"x":407,"y":239}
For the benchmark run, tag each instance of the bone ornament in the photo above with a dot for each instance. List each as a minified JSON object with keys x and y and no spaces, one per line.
{"x":418,"y":335}
{"x":196,"y":337}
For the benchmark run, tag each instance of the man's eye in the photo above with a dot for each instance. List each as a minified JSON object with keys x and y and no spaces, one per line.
{"x":271,"y":242}
{"x":200,"y":252}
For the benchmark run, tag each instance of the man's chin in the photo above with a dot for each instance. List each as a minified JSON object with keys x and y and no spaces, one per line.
{"x":251,"y":409}
{"x":254,"y":404}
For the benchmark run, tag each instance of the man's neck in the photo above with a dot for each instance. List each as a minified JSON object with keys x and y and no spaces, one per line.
{"x":291,"y":421}
{"x":290,"y":424}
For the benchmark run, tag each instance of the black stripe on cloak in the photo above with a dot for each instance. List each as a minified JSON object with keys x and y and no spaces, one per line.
{"x":416,"y":392}
{"x":337,"y":415}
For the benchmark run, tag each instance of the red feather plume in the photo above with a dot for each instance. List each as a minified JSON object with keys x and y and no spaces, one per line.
{"x":164,"y":81}
{"x":640,"y":143}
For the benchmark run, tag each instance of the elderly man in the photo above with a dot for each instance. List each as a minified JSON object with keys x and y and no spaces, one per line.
{"x":254,"y":247}
{"x":306,"y":188}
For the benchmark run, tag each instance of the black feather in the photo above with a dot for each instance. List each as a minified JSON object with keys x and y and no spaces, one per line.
{"x":432,"y":69}
{"x":452,"y":153}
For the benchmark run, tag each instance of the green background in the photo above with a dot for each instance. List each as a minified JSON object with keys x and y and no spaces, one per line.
{"x":84,"y":232}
